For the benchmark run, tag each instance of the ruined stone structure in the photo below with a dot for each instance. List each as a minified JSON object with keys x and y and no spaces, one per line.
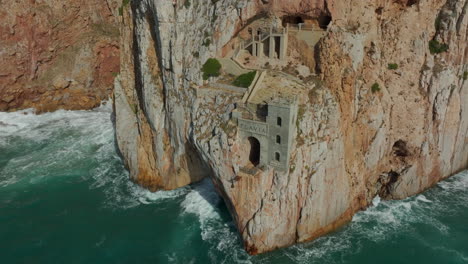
{"x":272,"y":43}
{"x":269,"y":129}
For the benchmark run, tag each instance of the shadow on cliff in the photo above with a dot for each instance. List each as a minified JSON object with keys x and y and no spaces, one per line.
{"x":207,"y":190}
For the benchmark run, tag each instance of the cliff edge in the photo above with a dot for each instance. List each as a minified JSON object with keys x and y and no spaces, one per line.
{"x":380,"y":96}
{"x":57,"y":54}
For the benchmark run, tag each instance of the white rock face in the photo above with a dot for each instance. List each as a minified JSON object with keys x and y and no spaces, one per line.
{"x":351,"y":143}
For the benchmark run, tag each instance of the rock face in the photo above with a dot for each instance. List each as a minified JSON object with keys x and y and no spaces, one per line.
{"x":366,"y":129}
{"x":57,"y":54}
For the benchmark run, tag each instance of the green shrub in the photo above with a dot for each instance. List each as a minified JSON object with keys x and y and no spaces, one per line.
{"x":125,"y":2}
{"x":436,"y":47}
{"x":245,"y":80}
{"x":207,"y":42}
{"x":392,"y":66}
{"x":196,"y":54}
{"x":121,"y":11}
{"x":187,"y":3}
{"x":211,"y":68}
{"x":465,"y":75}
{"x":375,"y":88}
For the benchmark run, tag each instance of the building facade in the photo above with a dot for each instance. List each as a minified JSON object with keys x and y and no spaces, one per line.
{"x":269,"y":131}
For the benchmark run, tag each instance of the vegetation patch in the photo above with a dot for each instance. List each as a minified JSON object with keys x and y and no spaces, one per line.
{"x":245,"y":80}
{"x":435,"y":47}
{"x":375,"y":88}
{"x":211,"y":68}
{"x":207,"y":42}
{"x":465,"y":75}
{"x":392,"y":66}
{"x":187,"y":3}
{"x":124,"y":4}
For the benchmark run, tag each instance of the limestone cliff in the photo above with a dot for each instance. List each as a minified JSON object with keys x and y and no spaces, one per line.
{"x":388,"y":115}
{"x":57,"y":54}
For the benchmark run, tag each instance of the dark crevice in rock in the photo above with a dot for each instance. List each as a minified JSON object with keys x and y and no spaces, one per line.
{"x":136,"y":58}
{"x":150,"y":16}
{"x":412,"y":2}
{"x":400,"y":149}
{"x":318,"y":62}
{"x":196,"y":165}
{"x":152,"y":19}
{"x":386,"y":181}
{"x":297,"y":224}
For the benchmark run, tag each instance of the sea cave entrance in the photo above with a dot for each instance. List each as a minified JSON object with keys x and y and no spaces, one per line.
{"x":254,"y":155}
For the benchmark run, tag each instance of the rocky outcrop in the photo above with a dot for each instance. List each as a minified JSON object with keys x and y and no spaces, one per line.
{"x":57,"y":54}
{"x":366,"y":128}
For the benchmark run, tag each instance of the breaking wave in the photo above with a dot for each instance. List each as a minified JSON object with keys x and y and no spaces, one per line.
{"x":382,"y":223}
{"x":61,"y":145}
{"x":216,"y":227}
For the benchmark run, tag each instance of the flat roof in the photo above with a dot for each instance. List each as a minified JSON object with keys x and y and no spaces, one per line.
{"x":278,"y":88}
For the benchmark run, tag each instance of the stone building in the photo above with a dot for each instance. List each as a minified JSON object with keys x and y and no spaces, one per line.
{"x":268,"y":131}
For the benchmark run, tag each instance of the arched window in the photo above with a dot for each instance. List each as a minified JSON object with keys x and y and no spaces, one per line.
{"x":277,"y":156}
{"x":279,"y":121}
{"x":254,"y":155}
{"x":278,"y":139}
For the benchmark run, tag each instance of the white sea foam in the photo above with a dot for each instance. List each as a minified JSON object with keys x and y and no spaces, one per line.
{"x":376,"y":200}
{"x":203,"y":201}
{"x":385,"y":220}
{"x":90,"y":133}
{"x":423,"y":198}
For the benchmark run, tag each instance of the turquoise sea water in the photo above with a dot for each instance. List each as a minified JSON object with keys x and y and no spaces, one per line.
{"x":65,"y":197}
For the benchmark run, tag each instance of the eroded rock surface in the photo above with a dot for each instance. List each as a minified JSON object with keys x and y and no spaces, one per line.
{"x":364,"y":129}
{"x":57,"y":54}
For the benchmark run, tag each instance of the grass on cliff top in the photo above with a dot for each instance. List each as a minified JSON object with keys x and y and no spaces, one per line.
{"x":245,"y":80}
{"x":211,"y":68}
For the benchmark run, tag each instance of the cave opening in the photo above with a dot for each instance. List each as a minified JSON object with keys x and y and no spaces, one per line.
{"x":254,"y":155}
{"x":400,"y":149}
{"x":292,"y":20}
{"x":324,"y":20}
{"x":412,"y":2}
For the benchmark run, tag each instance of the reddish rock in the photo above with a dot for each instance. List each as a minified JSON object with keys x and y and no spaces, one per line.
{"x":48,"y":48}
